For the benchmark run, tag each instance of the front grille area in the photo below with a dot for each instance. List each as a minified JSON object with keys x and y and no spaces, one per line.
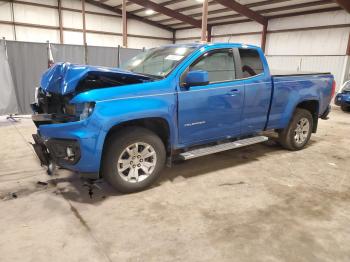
{"x":52,"y":108}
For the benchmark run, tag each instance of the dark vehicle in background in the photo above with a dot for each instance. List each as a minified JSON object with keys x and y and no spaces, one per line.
{"x":343,"y":97}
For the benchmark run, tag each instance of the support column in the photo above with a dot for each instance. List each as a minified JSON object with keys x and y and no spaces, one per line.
{"x":263,"y":36}
{"x":348,"y":47}
{"x":209,"y":33}
{"x":84,"y":32}
{"x":59,"y":3}
{"x":174,"y":36}
{"x":204,"y":21}
{"x":345,"y":76}
{"x":125,"y":24}
{"x":84,"y":21}
{"x":13,"y":21}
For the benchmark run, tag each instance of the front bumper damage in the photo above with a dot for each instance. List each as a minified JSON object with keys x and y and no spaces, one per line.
{"x":60,"y":151}
{"x":75,"y":146}
{"x":52,"y":152}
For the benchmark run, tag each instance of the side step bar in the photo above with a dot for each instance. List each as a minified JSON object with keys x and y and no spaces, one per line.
{"x":222,"y":147}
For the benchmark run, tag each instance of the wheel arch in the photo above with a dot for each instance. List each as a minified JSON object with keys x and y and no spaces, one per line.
{"x":160,"y":126}
{"x":312,"y":106}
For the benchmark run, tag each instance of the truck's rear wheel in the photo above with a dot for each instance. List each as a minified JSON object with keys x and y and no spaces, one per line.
{"x":133,"y":159}
{"x":297,"y":134}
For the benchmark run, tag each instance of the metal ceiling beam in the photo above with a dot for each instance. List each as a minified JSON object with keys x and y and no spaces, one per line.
{"x":345,"y":4}
{"x":187,"y":8}
{"x":222,"y":10}
{"x":267,"y":11}
{"x":243,"y":10}
{"x":309,"y":12}
{"x":166,"y":11}
{"x":170,"y":2}
{"x":131,"y":16}
{"x":121,"y":5}
{"x":279,"y":9}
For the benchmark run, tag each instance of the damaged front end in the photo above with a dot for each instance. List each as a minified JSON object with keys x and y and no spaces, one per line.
{"x":62,"y":132}
{"x":54,"y":152}
{"x":63,"y":81}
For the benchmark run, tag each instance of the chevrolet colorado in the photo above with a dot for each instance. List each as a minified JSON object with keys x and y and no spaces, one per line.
{"x":176,"y":101}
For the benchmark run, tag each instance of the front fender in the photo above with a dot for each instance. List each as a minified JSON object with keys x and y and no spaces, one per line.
{"x":113,"y":112}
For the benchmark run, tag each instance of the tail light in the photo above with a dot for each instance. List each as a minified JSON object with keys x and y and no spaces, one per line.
{"x":333,"y":88}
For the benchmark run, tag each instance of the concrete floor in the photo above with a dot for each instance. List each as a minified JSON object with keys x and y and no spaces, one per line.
{"x":259,"y":203}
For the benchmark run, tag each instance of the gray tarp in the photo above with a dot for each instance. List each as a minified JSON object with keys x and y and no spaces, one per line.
{"x":127,"y":53}
{"x":102,"y":56}
{"x":27,"y":61}
{"x":8,"y":101}
{"x":74,"y":54}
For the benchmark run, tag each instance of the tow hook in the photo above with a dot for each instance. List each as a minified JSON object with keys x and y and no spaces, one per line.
{"x":51,"y":168}
{"x":92,"y":184}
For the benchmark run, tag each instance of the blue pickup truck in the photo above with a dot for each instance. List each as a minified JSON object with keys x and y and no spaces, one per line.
{"x":172,"y":102}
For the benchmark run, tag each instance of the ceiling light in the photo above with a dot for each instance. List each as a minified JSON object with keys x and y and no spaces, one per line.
{"x":180,"y":50}
{"x":200,"y":1}
{"x":149,"y":12}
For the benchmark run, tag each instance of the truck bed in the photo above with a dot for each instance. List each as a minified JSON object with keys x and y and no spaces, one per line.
{"x":289,"y":90}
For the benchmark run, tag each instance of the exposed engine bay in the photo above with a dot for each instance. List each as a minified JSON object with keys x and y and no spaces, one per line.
{"x":64,"y":81}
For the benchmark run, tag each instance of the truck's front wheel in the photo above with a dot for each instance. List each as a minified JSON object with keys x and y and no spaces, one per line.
{"x":133,"y":159}
{"x":296,"y":135}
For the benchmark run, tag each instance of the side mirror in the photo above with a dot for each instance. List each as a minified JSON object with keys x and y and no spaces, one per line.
{"x":196,"y":78}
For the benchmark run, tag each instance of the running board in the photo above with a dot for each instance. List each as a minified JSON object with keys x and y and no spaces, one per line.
{"x":222,"y":147}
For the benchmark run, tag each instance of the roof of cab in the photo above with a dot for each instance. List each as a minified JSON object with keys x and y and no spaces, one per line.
{"x":223,"y":44}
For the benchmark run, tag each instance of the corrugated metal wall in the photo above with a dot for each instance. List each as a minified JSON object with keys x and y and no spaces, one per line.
{"x":49,"y":17}
{"x":25,"y":62}
{"x":301,"y":50}
{"x":333,"y":64}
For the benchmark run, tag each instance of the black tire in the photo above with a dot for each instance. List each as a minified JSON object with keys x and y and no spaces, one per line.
{"x":287,"y":136}
{"x":116,"y":144}
{"x":345,"y":108}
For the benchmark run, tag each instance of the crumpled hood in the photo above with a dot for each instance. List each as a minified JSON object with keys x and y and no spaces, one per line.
{"x":63,"y":78}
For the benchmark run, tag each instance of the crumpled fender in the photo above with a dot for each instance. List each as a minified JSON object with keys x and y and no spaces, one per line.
{"x":63,"y":78}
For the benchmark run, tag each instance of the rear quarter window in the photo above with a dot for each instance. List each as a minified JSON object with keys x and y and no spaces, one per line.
{"x":251,"y":62}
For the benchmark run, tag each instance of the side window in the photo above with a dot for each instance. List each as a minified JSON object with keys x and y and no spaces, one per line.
{"x":251,"y":62}
{"x":219,"y":65}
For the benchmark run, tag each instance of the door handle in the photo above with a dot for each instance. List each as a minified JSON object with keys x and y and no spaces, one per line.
{"x":233,"y":92}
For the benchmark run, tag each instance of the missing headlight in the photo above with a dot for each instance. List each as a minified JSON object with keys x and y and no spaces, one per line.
{"x":84,"y":110}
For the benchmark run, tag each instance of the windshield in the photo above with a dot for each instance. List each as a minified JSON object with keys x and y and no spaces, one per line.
{"x":157,"y":62}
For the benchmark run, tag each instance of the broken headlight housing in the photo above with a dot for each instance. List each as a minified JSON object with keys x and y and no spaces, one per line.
{"x":82,"y":110}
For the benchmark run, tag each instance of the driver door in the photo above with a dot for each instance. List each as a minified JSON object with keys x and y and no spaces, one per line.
{"x":212,"y":111}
